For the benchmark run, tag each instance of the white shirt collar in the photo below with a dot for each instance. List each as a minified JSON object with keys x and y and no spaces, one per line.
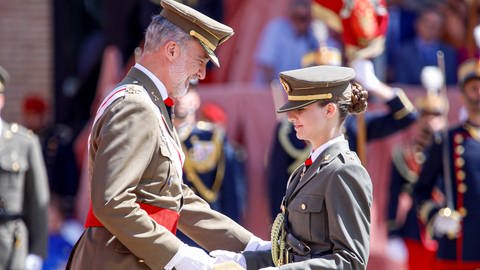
{"x":316,"y":153}
{"x":160,"y":86}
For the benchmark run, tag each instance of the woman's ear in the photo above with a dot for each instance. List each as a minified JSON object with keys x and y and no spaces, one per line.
{"x":331,"y":109}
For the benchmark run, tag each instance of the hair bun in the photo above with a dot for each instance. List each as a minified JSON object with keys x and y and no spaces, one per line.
{"x":358,"y":99}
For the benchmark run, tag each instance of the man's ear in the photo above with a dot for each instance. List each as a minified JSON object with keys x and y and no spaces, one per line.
{"x":172,"y":50}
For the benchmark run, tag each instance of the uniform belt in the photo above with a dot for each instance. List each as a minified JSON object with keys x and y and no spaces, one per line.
{"x":165,"y":217}
{"x":4,"y":217}
{"x":296,"y":246}
{"x":299,"y":258}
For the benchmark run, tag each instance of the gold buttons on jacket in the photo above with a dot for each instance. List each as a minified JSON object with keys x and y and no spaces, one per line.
{"x":462,"y":188}
{"x":462,"y":211}
{"x":459,"y":162}
{"x":15,"y":166}
{"x":458,"y":138}
{"x":303,"y":206}
{"x":459,"y":150}
{"x":461,"y":175}
{"x":14,"y":128}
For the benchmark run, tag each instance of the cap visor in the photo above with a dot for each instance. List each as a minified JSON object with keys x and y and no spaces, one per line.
{"x":293,"y":105}
{"x":471,"y":76}
{"x":211,"y":54}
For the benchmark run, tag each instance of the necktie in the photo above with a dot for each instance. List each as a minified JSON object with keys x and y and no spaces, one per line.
{"x":308,"y":162}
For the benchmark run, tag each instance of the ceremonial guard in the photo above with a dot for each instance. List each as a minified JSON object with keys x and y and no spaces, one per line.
{"x":404,"y":230}
{"x":455,"y":161}
{"x":24,"y":195}
{"x":211,"y":167}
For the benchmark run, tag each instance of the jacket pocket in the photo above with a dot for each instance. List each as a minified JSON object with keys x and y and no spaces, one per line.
{"x":308,"y":218}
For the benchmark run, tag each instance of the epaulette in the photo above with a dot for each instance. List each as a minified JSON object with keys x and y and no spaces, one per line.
{"x":133,"y":89}
{"x":205,"y":157}
{"x":401,"y":164}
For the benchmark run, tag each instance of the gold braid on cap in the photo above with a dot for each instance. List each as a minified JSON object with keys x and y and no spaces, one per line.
{"x":310,"y":97}
{"x":204,"y":40}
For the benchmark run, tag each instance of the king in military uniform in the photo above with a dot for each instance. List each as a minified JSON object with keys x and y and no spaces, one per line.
{"x":138,"y":198}
{"x":24,"y":195}
{"x":455,"y":161}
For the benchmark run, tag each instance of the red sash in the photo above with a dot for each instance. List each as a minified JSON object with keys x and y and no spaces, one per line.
{"x":165,"y":217}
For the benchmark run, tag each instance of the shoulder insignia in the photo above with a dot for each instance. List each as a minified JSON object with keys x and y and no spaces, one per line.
{"x":406,"y":164}
{"x":133,"y":89}
{"x":204,"y":154}
{"x":202,"y":157}
{"x":351,"y":155}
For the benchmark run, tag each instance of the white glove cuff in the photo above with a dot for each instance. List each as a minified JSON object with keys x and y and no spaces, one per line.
{"x":179,"y":256}
{"x":255,"y":244}
{"x":33,"y":262}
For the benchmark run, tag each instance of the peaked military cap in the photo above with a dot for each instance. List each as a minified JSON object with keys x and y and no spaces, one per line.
{"x":470,"y":69}
{"x":307,"y":85}
{"x":209,"y":32}
{"x":3,"y":78}
{"x":432,"y":103}
{"x":322,"y":56}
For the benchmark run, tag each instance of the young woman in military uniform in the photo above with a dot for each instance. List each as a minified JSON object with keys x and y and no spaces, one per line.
{"x":325,"y":219}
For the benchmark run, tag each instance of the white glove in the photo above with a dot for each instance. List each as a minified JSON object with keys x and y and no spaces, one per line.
{"x":270,"y":268}
{"x":257,"y":244}
{"x":225,"y":256}
{"x":188,"y":258}
{"x":365,"y":74}
{"x":396,"y":249}
{"x":446,"y":222}
{"x":33,"y":262}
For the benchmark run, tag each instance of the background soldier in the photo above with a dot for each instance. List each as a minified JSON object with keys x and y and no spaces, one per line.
{"x":406,"y":238}
{"x":24,"y":195}
{"x":455,"y":159}
{"x":211,"y":168}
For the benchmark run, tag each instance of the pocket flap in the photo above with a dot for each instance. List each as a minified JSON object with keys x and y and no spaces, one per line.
{"x":307,"y":203}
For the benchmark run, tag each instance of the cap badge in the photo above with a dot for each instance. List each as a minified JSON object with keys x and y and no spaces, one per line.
{"x":285,"y":86}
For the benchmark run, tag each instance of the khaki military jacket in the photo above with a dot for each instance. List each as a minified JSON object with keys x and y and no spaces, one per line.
{"x":24,"y":193}
{"x":328,"y":208}
{"x":132,"y":160}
